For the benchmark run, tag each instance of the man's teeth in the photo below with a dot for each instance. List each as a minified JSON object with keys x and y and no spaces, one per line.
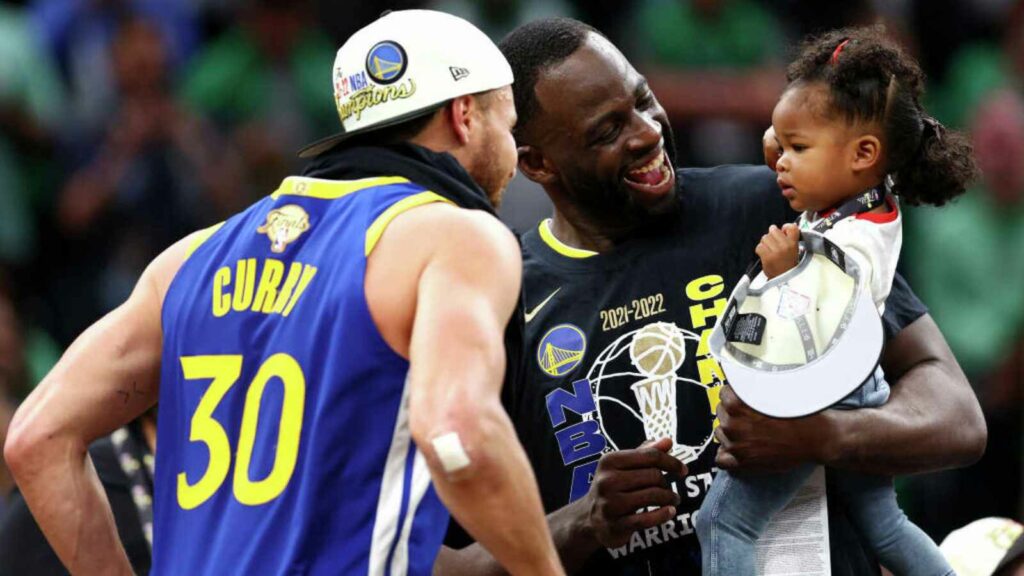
{"x":655,"y":164}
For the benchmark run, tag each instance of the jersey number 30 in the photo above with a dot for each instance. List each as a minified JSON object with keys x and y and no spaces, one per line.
{"x":224,"y":371}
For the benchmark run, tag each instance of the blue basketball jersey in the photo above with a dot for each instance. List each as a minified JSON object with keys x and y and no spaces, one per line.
{"x":284,"y":444}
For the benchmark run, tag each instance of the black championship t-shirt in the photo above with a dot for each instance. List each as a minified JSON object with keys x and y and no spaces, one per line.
{"x":616,"y":352}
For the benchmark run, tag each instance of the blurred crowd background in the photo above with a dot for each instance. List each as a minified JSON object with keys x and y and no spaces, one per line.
{"x":125,"y":124}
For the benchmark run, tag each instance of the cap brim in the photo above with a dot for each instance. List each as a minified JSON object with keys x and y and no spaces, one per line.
{"x":815,"y":386}
{"x":1016,"y":552}
{"x":325,"y":144}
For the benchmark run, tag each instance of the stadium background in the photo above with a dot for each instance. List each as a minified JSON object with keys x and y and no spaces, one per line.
{"x":125,"y":124}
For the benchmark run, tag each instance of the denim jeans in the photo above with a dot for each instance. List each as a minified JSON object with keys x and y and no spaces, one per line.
{"x":738,"y":508}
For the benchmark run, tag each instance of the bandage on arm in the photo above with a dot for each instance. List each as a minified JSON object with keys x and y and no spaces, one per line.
{"x":449,"y":451}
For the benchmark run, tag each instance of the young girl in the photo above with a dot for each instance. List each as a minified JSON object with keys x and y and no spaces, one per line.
{"x":849,"y":125}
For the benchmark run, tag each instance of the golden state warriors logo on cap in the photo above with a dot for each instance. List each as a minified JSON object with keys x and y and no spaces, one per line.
{"x":561,"y":350}
{"x":386,"y":62}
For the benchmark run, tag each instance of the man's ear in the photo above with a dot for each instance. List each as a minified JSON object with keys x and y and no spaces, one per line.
{"x":535,"y":166}
{"x":867,"y":153}
{"x":461,"y":114}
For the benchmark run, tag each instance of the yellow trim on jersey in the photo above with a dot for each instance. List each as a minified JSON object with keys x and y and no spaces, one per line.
{"x":558,"y":246}
{"x":330,"y":189}
{"x":200,"y":237}
{"x":376,"y":230}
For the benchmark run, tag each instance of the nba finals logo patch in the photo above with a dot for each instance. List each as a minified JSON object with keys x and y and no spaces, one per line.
{"x":561,"y":350}
{"x":284,"y":225}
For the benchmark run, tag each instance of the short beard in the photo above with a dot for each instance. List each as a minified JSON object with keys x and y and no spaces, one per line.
{"x":612,"y":211}
{"x":484,"y":174}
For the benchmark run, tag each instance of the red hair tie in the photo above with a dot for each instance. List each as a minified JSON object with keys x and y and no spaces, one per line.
{"x":835,"y":55}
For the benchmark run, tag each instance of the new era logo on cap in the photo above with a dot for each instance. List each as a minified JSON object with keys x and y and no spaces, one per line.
{"x":458,"y":73}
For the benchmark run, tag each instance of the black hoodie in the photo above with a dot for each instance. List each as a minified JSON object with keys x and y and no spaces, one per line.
{"x":437,"y":171}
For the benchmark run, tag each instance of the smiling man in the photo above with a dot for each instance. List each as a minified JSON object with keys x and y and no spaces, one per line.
{"x":623,"y":286}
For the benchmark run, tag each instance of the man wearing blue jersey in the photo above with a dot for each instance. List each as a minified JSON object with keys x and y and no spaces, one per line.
{"x":324,"y":355}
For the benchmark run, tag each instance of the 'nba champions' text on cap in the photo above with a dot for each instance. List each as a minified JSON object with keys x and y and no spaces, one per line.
{"x":406,"y":64}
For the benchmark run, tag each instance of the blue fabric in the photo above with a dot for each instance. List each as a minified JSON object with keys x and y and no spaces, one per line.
{"x":322,"y":520}
{"x":738,"y":508}
{"x":67,"y":25}
{"x":898,"y":543}
{"x":872,"y":393}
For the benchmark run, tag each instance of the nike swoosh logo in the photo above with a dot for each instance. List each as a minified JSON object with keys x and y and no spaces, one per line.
{"x":531,"y":313}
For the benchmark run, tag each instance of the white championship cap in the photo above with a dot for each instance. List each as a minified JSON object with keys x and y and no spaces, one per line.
{"x":984,"y":546}
{"x":406,"y":64}
{"x":805,"y":339}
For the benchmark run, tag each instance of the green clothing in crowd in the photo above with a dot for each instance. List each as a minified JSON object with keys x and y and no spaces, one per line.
{"x":234,"y":82}
{"x":30,"y":88}
{"x":967,"y":264}
{"x":975,"y":72}
{"x":740,"y":35}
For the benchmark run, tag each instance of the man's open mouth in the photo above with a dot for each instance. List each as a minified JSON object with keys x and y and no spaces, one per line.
{"x":654,"y":178}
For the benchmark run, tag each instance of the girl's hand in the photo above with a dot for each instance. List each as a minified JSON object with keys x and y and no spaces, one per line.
{"x":779,"y":249}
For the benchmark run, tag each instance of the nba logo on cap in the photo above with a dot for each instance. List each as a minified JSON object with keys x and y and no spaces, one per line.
{"x":386,"y":62}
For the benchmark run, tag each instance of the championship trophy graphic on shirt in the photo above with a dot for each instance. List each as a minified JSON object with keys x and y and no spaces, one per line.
{"x":657,"y":351}
{"x":647,"y":362}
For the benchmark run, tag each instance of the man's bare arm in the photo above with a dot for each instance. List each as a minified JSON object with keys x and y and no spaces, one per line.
{"x":932,"y":420}
{"x":570,"y":530}
{"x":466,"y":293}
{"x":108,"y":377}
{"x":625,"y":484}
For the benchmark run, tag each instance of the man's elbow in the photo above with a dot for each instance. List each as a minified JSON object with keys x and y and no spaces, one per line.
{"x":964,"y":429}
{"x":974,"y":439}
{"x":31,"y":444}
{"x":458,"y":441}
{"x":971,"y":429}
{"x":19,"y":446}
